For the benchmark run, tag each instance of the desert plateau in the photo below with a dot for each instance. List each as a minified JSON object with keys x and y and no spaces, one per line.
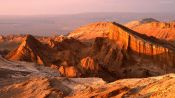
{"x":87,"y":49}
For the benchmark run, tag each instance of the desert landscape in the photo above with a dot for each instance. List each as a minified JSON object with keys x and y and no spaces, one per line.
{"x":87,"y":49}
{"x":97,"y":60}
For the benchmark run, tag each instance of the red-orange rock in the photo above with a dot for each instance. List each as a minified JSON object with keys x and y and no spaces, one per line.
{"x":124,"y":46}
{"x":69,"y":71}
{"x":32,"y":50}
{"x":89,"y":64}
{"x":91,"y":31}
{"x":161,"y":30}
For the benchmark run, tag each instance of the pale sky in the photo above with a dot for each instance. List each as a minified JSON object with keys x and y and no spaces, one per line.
{"x":38,"y":7}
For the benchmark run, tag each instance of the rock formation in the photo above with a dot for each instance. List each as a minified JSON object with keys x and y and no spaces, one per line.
{"x":127,"y":48}
{"x":161,"y":30}
{"x":110,"y":51}
{"x":32,"y":50}
{"x":91,"y":31}
{"x":128,"y":40}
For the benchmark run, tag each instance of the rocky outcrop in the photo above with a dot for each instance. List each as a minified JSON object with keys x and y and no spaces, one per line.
{"x":127,"y":40}
{"x":161,"y":30}
{"x":143,"y":45}
{"x":88,"y":63}
{"x":118,"y":48}
{"x":69,"y":71}
{"x":63,"y":55}
{"x":32,"y":50}
{"x":107,"y":54}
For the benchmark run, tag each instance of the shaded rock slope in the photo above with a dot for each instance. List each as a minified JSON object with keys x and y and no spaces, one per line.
{"x":32,"y":50}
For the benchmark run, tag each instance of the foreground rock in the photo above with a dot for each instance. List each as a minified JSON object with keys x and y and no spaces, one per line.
{"x":47,"y":87}
{"x":26,"y":80}
{"x":154,"y":87}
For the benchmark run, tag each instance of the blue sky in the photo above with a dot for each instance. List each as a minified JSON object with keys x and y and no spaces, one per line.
{"x":37,"y":7}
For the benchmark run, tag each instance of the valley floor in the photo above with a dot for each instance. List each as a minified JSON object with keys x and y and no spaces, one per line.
{"x":28,"y":80}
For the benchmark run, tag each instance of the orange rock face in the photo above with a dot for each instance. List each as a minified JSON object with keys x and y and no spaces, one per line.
{"x":32,"y":50}
{"x":91,"y":31}
{"x":69,"y":71}
{"x":161,"y":30}
{"x":143,"y":45}
{"x":89,"y":64}
{"x":128,"y":48}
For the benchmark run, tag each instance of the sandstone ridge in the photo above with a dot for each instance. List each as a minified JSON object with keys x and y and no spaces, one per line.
{"x":104,"y":49}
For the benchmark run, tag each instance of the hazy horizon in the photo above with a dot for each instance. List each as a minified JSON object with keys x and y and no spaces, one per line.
{"x":63,"y":16}
{"x":63,"y":24}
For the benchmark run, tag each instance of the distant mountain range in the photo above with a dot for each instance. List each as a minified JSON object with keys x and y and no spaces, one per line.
{"x":63,"y":24}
